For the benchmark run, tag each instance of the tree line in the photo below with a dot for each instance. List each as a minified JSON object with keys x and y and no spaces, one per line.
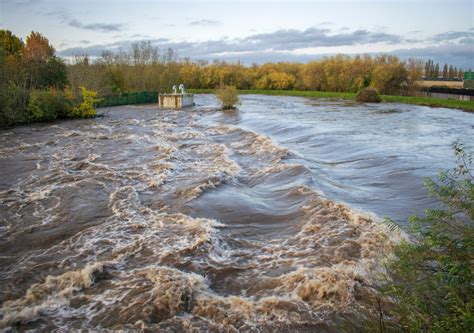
{"x":434,"y":71}
{"x":34,"y":83}
{"x":145,"y":68}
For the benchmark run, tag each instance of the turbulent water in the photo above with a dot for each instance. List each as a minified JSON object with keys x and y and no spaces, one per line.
{"x":262,"y":219}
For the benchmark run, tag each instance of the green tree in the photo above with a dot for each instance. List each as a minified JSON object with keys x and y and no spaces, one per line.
{"x":14,"y":91}
{"x":115,"y":79}
{"x":436,"y":71}
{"x":53,"y":74}
{"x":10,"y":43}
{"x":43,"y":67}
{"x":445,"y":71}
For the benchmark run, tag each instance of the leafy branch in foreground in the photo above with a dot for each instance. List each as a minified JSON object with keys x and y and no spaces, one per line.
{"x":431,"y":284}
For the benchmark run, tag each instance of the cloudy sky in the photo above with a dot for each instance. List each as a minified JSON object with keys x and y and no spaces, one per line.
{"x":252,"y":31}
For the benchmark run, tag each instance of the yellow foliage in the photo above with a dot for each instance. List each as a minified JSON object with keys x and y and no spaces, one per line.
{"x":228,"y":97}
{"x":340,"y":73}
{"x":86,"y":108}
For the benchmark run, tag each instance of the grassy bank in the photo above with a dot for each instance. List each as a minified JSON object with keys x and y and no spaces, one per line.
{"x":434,"y":102}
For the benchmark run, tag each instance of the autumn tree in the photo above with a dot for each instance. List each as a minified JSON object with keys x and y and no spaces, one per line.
{"x":43,"y":67}
{"x":144,"y":68}
{"x":390,"y":75}
{"x":37,"y":48}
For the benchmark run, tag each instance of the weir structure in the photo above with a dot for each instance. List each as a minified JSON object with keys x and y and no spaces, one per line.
{"x":176,"y":100}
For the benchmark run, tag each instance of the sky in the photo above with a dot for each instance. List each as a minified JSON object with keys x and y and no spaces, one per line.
{"x":252,"y":31}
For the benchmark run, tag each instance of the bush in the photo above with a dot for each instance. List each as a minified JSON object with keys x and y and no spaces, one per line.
{"x":432,"y":278}
{"x":86,"y":107}
{"x":13,"y":101}
{"x":368,"y":95}
{"x":48,"y":105}
{"x":52,"y":104}
{"x":228,"y":97}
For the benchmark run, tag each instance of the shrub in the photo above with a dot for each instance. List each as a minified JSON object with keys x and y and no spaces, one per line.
{"x":228,"y":97}
{"x":86,"y":107}
{"x":13,"y":101}
{"x":432,"y":278}
{"x":368,"y":95}
{"x":48,"y":105}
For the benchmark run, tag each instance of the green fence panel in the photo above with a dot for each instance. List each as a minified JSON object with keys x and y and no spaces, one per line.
{"x":469,"y":76}
{"x":142,"y":97}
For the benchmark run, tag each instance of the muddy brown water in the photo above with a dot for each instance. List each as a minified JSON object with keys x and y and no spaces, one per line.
{"x":263,"y":219}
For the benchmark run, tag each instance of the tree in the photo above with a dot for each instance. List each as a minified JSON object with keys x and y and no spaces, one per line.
{"x":43,"y":68}
{"x":451,"y":72}
{"x":436,"y":71}
{"x":10,"y":43}
{"x":115,"y":79}
{"x":445,"y":71}
{"x":53,"y":74}
{"x":390,"y":75}
{"x":37,"y":48}
{"x":427,"y":69}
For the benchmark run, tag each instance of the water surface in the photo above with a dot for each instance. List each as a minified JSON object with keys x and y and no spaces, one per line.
{"x":262,"y":219}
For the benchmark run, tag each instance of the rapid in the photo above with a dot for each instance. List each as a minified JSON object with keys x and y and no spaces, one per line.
{"x":263,"y":219}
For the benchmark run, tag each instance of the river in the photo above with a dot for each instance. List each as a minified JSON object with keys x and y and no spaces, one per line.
{"x":262,"y":219}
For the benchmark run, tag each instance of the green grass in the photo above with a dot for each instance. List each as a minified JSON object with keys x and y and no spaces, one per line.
{"x":434,"y":102}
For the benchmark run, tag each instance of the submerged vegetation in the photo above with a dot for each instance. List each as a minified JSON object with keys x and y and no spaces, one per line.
{"x":228,"y":97}
{"x":34,"y":84}
{"x":368,"y":95}
{"x":431,"y":286}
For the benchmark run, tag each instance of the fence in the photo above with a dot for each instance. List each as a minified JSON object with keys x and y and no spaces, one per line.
{"x":449,"y":93}
{"x":143,"y":97}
